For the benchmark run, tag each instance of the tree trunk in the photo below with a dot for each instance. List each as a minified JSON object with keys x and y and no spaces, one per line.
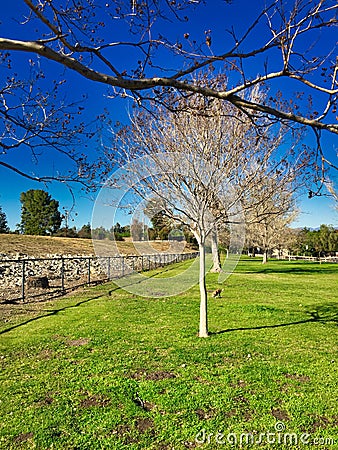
{"x":215,"y":254}
{"x":203,"y":331}
{"x":265,"y":257}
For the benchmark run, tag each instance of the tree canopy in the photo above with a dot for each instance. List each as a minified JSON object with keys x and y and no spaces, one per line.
{"x":200,"y":167}
{"x":289,"y":47}
{"x":3,"y":222}
{"x":318,"y":242}
{"x":39,"y":213}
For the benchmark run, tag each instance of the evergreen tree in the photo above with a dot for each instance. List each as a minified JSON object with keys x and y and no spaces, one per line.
{"x":39,"y":213}
{"x":3,"y":222}
{"x":161,"y":225}
{"x":99,"y":233}
{"x":67,"y":232}
{"x":85,"y":232}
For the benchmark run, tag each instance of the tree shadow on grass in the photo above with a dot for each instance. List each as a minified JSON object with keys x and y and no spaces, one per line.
{"x":327,"y":313}
{"x":54,"y":312}
{"x":312,"y":268}
{"x":292,"y":267}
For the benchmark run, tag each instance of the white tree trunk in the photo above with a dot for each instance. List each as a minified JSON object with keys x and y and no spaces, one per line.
{"x":265,"y":257}
{"x":215,"y":254}
{"x":203,"y":331}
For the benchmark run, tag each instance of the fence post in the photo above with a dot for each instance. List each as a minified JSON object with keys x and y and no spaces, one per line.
{"x":108,"y":268}
{"x":142,"y":265}
{"x":89,"y":270}
{"x":123,"y":266}
{"x":62,"y":275}
{"x":23,"y":280}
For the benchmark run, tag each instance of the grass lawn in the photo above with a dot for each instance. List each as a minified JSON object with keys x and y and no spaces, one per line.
{"x":105,"y":369}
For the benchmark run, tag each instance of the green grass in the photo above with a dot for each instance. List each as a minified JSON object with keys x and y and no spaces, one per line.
{"x":106,"y":369}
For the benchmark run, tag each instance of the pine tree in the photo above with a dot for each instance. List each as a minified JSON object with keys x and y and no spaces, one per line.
{"x":3,"y":222}
{"x":39,"y":213}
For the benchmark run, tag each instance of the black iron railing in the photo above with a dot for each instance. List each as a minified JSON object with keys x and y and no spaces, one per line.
{"x":65,"y":273}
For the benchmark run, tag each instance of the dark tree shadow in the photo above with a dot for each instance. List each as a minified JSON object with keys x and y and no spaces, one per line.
{"x":52,"y":312}
{"x":327,"y":313}
{"x":291,"y":267}
{"x":304,"y":270}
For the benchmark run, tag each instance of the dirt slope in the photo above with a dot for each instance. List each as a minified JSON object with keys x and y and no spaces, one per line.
{"x":40,"y":246}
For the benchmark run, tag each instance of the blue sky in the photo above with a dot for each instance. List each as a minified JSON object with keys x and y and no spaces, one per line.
{"x":313,"y":212}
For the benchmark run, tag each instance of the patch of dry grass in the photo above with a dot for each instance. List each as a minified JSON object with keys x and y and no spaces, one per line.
{"x":43,"y":245}
{"x":40,"y":246}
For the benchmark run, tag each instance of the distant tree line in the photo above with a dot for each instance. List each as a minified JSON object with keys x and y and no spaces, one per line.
{"x":40,"y":215}
{"x":116,"y":232}
{"x":305,"y":241}
{"x":323,"y":241}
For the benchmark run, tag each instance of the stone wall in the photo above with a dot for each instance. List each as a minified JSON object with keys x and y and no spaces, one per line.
{"x":63,"y":271}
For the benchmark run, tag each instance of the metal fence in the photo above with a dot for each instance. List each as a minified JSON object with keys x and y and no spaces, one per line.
{"x":62,"y":274}
{"x":326,"y":259}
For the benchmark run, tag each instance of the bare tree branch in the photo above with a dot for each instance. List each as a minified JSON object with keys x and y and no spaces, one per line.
{"x":285,"y":26}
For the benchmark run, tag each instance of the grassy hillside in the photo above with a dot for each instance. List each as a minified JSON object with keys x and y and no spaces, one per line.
{"x":43,"y":245}
{"x":109,"y":370}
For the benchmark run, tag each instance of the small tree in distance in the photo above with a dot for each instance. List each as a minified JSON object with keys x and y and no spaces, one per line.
{"x":274,"y":208}
{"x":3,"y":222}
{"x":85,"y":232}
{"x":39,"y":213}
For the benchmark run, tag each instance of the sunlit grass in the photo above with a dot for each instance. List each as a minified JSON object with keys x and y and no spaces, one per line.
{"x":107,"y":369}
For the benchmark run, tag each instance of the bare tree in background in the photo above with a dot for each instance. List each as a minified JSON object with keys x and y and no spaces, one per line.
{"x":273,"y":208}
{"x":288,"y":241}
{"x":270,"y":232}
{"x":294,"y":42}
{"x":216,"y":260}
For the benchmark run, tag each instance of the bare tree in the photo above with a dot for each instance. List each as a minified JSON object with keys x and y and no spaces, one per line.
{"x":273,"y":208}
{"x":42,"y":123}
{"x":269,"y":234}
{"x":216,"y":260}
{"x":288,"y":241}
{"x":294,"y":43}
{"x":201,"y":162}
